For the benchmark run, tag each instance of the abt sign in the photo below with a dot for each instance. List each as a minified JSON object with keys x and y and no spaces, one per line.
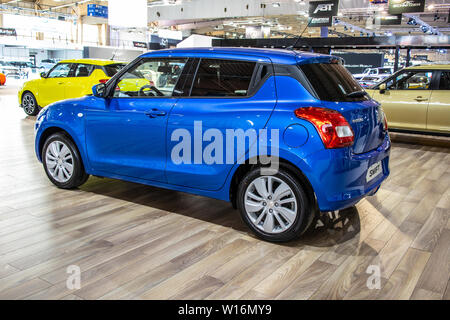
{"x":327,"y":8}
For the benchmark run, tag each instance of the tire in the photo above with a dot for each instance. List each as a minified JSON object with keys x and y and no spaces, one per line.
{"x":287,"y":224}
{"x":63,"y":167}
{"x":29,"y":104}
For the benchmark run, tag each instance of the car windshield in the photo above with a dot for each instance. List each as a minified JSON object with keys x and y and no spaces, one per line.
{"x":332,"y":82}
{"x":112,"y":69}
{"x":371,"y":79}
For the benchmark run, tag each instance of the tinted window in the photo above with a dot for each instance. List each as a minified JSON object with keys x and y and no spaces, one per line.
{"x":150,"y":78}
{"x":411,"y":80}
{"x":112,"y":69}
{"x":444,"y":84}
{"x":84,"y":70}
{"x":222,"y":78}
{"x":60,"y":71}
{"x":332,"y":82}
{"x":385,"y":70}
{"x":184,"y":83}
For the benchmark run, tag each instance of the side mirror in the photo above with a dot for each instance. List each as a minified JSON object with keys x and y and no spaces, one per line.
{"x":43,"y":75}
{"x":383,"y":88}
{"x":99,"y":90}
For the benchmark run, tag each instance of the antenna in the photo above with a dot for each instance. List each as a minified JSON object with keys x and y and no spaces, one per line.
{"x":114,"y":54}
{"x":292,"y":47}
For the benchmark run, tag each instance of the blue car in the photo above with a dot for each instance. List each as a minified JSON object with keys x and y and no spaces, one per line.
{"x":281,"y":134}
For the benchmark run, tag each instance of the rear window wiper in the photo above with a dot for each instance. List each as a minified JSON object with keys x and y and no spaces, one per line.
{"x":356,"y":94}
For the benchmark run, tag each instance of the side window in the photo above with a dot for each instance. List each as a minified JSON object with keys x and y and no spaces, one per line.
{"x":150,"y":78}
{"x":111,"y":69}
{"x":411,"y":80}
{"x":61,"y":70}
{"x":444,"y":83}
{"x":84,"y":70}
{"x":184,"y":84}
{"x":222,"y":78}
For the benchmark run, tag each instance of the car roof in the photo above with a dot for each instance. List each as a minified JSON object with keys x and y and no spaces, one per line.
{"x":431,"y":67}
{"x":282,"y":56}
{"x":98,"y":62}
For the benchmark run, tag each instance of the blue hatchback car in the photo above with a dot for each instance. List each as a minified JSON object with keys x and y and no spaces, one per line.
{"x":281,"y":134}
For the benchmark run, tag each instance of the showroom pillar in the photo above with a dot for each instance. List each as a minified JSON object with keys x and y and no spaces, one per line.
{"x":324,"y":32}
{"x":408,"y":56}
{"x":1,"y":20}
{"x":397,"y":52}
{"x":108,"y":35}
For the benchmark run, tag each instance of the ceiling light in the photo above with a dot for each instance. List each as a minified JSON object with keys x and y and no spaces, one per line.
{"x":430,"y":7}
{"x":276,"y":4}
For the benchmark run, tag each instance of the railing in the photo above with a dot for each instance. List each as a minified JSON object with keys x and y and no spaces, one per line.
{"x":30,"y":40}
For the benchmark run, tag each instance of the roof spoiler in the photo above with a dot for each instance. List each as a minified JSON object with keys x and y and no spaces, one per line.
{"x":319,"y":59}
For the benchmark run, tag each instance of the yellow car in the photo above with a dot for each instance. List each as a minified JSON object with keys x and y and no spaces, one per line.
{"x":416,"y":99}
{"x":67,"y":79}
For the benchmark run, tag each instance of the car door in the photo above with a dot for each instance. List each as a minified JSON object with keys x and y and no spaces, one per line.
{"x":439,"y":107}
{"x":52,"y":88}
{"x":221,"y":99}
{"x":78,"y":84}
{"x":127,"y":136}
{"x":405,"y":100}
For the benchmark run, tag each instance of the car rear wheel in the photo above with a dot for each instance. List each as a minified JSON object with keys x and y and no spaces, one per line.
{"x":275,"y":207}
{"x":62,"y":162}
{"x":29,"y":104}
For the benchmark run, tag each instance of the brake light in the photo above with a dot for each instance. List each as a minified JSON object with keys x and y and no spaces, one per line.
{"x":103,"y":80}
{"x":385,"y":124}
{"x":332,"y":127}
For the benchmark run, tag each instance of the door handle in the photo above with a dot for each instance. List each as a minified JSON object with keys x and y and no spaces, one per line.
{"x":60,"y":82}
{"x":155,"y":113}
{"x":420,"y":98}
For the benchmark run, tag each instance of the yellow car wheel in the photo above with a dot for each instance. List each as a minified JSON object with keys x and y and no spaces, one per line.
{"x":29,"y":104}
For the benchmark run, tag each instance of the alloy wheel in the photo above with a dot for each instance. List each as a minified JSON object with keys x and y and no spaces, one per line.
{"x":271,"y":204}
{"x":28,"y":104}
{"x":59,"y":161}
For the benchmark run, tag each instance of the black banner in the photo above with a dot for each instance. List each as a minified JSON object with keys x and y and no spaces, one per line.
{"x":357,"y":62}
{"x":215,"y":309}
{"x":388,"y":20}
{"x":318,"y":9}
{"x":138,"y":44}
{"x":405,"y":6}
{"x":8,"y":32}
{"x":320,"y":22}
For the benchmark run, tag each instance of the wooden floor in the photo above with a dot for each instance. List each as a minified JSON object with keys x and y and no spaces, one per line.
{"x":137,"y":242}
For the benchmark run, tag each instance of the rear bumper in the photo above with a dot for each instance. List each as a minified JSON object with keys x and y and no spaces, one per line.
{"x":339,"y":176}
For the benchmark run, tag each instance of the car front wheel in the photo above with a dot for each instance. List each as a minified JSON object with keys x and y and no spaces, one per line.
{"x":275,"y":207}
{"x":62,"y":162}
{"x":29,"y":104}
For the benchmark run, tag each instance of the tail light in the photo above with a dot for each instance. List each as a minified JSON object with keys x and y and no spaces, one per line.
{"x":333,"y":129}
{"x":383,"y":118}
{"x":103,"y":80}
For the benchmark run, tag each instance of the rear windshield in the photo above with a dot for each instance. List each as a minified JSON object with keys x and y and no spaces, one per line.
{"x":112,"y":69}
{"x":332,"y":82}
